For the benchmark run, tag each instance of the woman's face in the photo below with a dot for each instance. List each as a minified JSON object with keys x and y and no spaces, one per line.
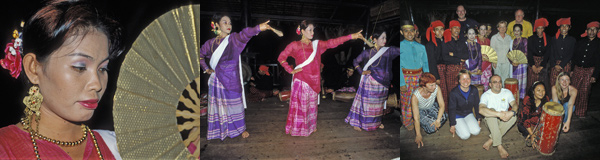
{"x":517,"y":32}
{"x":539,"y":91}
{"x":309,"y":31}
{"x":381,"y":40}
{"x":430,"y":87}
{"x":73,"y":78}
{"x":465,"y":80}
{"x":502,"y":28}
{"x":564,"y":81}
{"x":482,"y":30}
{"x":471,"y":34}
{"x":225,"y":25}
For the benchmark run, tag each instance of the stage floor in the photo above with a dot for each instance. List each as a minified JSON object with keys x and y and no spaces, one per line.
{"x":334,"y":138}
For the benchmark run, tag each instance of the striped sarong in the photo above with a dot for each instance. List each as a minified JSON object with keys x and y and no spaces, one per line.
{"x":581,"y":80}
{"x":302,"y":116}
{"x":367,"y":108}
{"x":225,"y":116}
{"x":451,"y":75}
{"x":412,"y":83}
{"x":554,"y":73}
{"x":520,"y":73}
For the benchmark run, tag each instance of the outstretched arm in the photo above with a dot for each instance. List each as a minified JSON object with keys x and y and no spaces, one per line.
{"x":332,"y":43}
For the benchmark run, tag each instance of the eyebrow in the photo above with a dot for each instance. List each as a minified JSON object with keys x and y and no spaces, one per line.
{"x":85,"y":55}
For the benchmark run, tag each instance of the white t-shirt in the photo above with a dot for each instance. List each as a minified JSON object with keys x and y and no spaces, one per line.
{"x":498,"y":102}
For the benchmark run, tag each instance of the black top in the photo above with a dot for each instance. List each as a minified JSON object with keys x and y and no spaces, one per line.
{"x":561,"y":49}
{"x":535,"y":47}
{"x":458,"y":105}
{"x":567,"y":98}
{"x":263,"y":82}
{"x":434,"y":56}
{"x":458,"y":48}
{"x":464,"y":26}
{"x":586,"y":54}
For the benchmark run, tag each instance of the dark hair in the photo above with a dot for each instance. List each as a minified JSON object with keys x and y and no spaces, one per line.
{"x":495,"y":75}
{"x":377,"y":32}
{"x":55,"y":23}
{"x":305,"y":23}
{"x":531,"y":94}
{"x":217,"y":17}
{"x":518,"y":25}
{"x":474,"y":29}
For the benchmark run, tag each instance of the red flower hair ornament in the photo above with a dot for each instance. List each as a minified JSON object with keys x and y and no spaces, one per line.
{"x":12,"y":59}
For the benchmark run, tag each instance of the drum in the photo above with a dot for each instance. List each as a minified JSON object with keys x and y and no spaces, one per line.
{"x":344,"y":96}
{"x":548,"y":128}
{"x":392,"y":101}
{"x":512,"y":84}
{"x":284,"y":95}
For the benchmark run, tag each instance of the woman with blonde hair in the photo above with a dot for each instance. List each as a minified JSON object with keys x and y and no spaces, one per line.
{"x":565,"y":94}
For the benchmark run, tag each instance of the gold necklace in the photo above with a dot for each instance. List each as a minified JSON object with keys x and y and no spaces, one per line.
{"x":372,"y":57}
{"x":33,"y":134}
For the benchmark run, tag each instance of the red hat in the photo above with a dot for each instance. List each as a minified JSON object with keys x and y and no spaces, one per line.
{"x":448,"y":32}
{"x":560,"y":22}
{"x":589,"y":25}
{"x":544,"y":23}
{"x":540,"y":22}
{"x":454,"y":23}
{"x":430,"y":33}
{"x":264,"y":69}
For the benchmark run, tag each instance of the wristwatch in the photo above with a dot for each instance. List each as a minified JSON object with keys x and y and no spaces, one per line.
{"x":514,"y":113}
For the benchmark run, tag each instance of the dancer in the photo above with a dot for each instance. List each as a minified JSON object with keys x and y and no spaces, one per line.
{"x":537,"y":46}
{"x":226,"y":100}
{"x":455,"y":53}
{"x":65,"y":67}
{"x":565,"y":94}
{"x":474,"y":63}
{"x":486,"y":65}
{"x":434,"y":48}
{"x":302,"y":116}
{"x":519,"y":71}
{"x":562,"y":49}
{"x":367,"y":108}
{"x":428,"y":113}
{"x":586,"y":62}
{"x":413,"y":63}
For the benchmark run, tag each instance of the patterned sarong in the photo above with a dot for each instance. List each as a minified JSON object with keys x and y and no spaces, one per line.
{"x":541,"y":76}
{"x":520,"y":73}
{"x":451,"y":76}
{"x":302,"y":116}
{"x":441,"y":71}
{"x":367,"y":108}
{"x":412,"y":83}
{"x":225,"y":116}
{"x":554,"y":73}
{"x":582,"y":81}
{"x":428,"y":116}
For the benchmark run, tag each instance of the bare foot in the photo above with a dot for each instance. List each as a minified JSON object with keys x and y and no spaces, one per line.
{"x":487,"y":144}
{"x":502,"y":151}
{"x":357,"y":128}
{"x":381,"y":126}
{"x":245,"y":134}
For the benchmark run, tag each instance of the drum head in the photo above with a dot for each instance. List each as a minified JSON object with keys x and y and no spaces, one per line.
{"x":511,"y":81}
{"x":554,"y":109}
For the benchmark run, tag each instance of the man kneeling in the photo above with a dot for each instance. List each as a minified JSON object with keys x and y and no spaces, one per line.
{"x":494,"y":106}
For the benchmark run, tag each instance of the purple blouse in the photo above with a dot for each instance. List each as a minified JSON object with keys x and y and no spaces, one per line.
{"x":381,"y":69}
{"x":227,"y":70}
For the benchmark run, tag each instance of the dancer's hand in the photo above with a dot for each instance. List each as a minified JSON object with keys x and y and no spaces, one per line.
{"x":209,"y":71}
{"x":366,"y":72}
{"x":403,"y":89}
{"x":296,"y":70}
{"x":358,"y":35}
{"x":265,"y":25}
{"x":437,"y":123}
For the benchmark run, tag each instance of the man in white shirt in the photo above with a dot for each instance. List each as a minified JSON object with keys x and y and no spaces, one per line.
{"x":494,"y":106}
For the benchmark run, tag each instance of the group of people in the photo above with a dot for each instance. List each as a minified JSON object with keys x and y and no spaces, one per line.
{"x":558,"y":69}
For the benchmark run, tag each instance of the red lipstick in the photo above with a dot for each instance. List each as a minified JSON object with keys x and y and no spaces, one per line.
{"x":89,"y":104}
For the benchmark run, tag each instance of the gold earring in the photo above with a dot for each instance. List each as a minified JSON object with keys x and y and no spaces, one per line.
{"x":33,"y":102}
